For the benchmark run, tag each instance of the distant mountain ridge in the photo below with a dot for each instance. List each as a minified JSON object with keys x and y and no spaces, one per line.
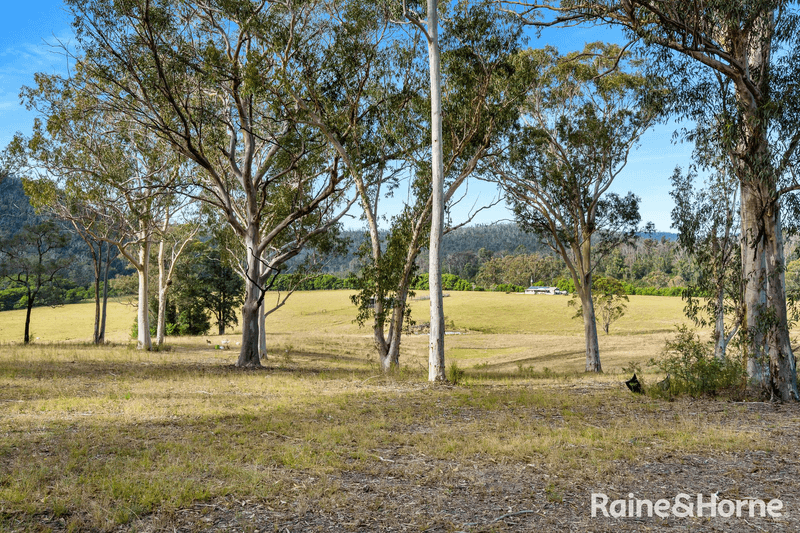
{"x":499,"y":239}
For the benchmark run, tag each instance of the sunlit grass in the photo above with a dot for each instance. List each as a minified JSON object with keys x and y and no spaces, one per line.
{"x":74,"y":322}
{"x":101,"y":435}
{"x":106,"y":438}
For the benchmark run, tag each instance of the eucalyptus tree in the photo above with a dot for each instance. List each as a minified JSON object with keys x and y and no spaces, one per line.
{"x":93,"y":229}
{"x":210,"y":79}
{"x":707,"y":221}
{"x":172,"y":240}
{"x":5,"y":165}
{"x":430,"y":31}
{"x":44,"y":195}
{"x":584,"y":114}
{"x":477,"y":106}
{"x":101,"y":172}
{"x":751,"y":49}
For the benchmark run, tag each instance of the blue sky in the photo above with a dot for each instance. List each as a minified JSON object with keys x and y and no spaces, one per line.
{"x":30,"y":30}
{"x":26,"y":28}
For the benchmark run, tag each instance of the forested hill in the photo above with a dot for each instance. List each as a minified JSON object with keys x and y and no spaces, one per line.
{"x":494,"y":238}
{"x":15,"y":210}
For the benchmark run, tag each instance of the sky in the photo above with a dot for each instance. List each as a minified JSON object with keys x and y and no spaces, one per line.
{"x":30,"y":32}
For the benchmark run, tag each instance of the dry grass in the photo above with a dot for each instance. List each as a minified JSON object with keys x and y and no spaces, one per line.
{"x":102,"y":438}
{"x":70,"y":323}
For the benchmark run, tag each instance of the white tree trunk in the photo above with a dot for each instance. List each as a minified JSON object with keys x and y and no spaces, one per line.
{"x":753,"y":273}
{"x":248,"y":355}
{"x":262,"y":332}
{"x":590,"y":327}
{"x":720,"y":343}
{"x":101,"y":339}
{"x":161,"y":324}
{"x":436,"y":363}
{"x":143,"y":341}
{"x":782,"y":364}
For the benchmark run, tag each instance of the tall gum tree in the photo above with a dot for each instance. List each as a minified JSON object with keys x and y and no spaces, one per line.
{"x":172,"y":240}
{"x":93,"y":229}
{"x":707,"y":221}
{"x":754,"y":45}
{"x":478,"y":105}
{"x":207,"y":78}
{"x":430,"y":30}
{"x":584,"y":114}
{"x":96,"y":169}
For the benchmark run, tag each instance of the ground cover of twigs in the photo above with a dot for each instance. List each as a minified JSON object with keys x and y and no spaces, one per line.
{"x":112,"y":439}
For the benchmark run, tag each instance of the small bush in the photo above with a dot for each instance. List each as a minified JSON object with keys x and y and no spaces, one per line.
{"x":693,"y":369}
{"x":455,"y":375}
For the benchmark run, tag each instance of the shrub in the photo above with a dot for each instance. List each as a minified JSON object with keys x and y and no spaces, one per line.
{"x":455,"y":375}
{"x":692,"y":368}
{"x":10,"y":298}
{"x":508,"y":287}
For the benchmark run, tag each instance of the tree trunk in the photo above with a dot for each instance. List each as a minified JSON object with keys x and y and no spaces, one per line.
{"x":754,"y":278}
{"x":248,"y":355}
{"x":161,"y":324}
{"x":143,"y":341}
{"x":381,"y":345}
{"x":720,"y":343}
{"x":398,"y":318}
{"x":590,"y":328}
{"x":763,"y":262}
{"x":262,"y":330}
{"x":782,"y":365}
{"x":98,"y":265}
{"x":28,"y":308}
{"x":102,"y":335}
{"x":436,"y":363}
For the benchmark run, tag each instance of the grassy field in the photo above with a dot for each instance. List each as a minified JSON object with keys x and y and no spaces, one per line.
{"x":113,"y":439}
{"x":497,"y":331}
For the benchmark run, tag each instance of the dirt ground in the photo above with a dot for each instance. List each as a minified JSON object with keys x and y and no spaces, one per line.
{"x":503,"y":498}
{"x":411,"y":492}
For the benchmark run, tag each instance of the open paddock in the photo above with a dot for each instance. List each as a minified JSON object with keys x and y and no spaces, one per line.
{"x":113,"y":439}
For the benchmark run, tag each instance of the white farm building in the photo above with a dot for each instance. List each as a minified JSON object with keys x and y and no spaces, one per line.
{"x":543,"y":290}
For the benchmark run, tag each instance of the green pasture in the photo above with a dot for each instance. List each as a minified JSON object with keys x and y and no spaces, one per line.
{"x":493,"y":331}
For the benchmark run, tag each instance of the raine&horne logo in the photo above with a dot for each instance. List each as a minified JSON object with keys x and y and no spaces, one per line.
{"x":683,"y":506}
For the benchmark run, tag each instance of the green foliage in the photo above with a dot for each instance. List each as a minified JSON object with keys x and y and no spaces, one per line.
{"x":204,"y":283}
{"x":451,"y":282}
{"x":566,"y":284}
{"x":708,"y":222}
{"x":319,"y":282}
{"x":421,"y":282}
{"x":632,"y":289}
{"x":520,"y":269}
{"x":30,"y":259}
{"x":608,"y":297}
{"x":455,"y":374}
{"x":384,"y":282}
{"x":11,"y":298}
{"x":508,"y":287}
{"x":587,"y":110}
{"x":692,"y":368}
